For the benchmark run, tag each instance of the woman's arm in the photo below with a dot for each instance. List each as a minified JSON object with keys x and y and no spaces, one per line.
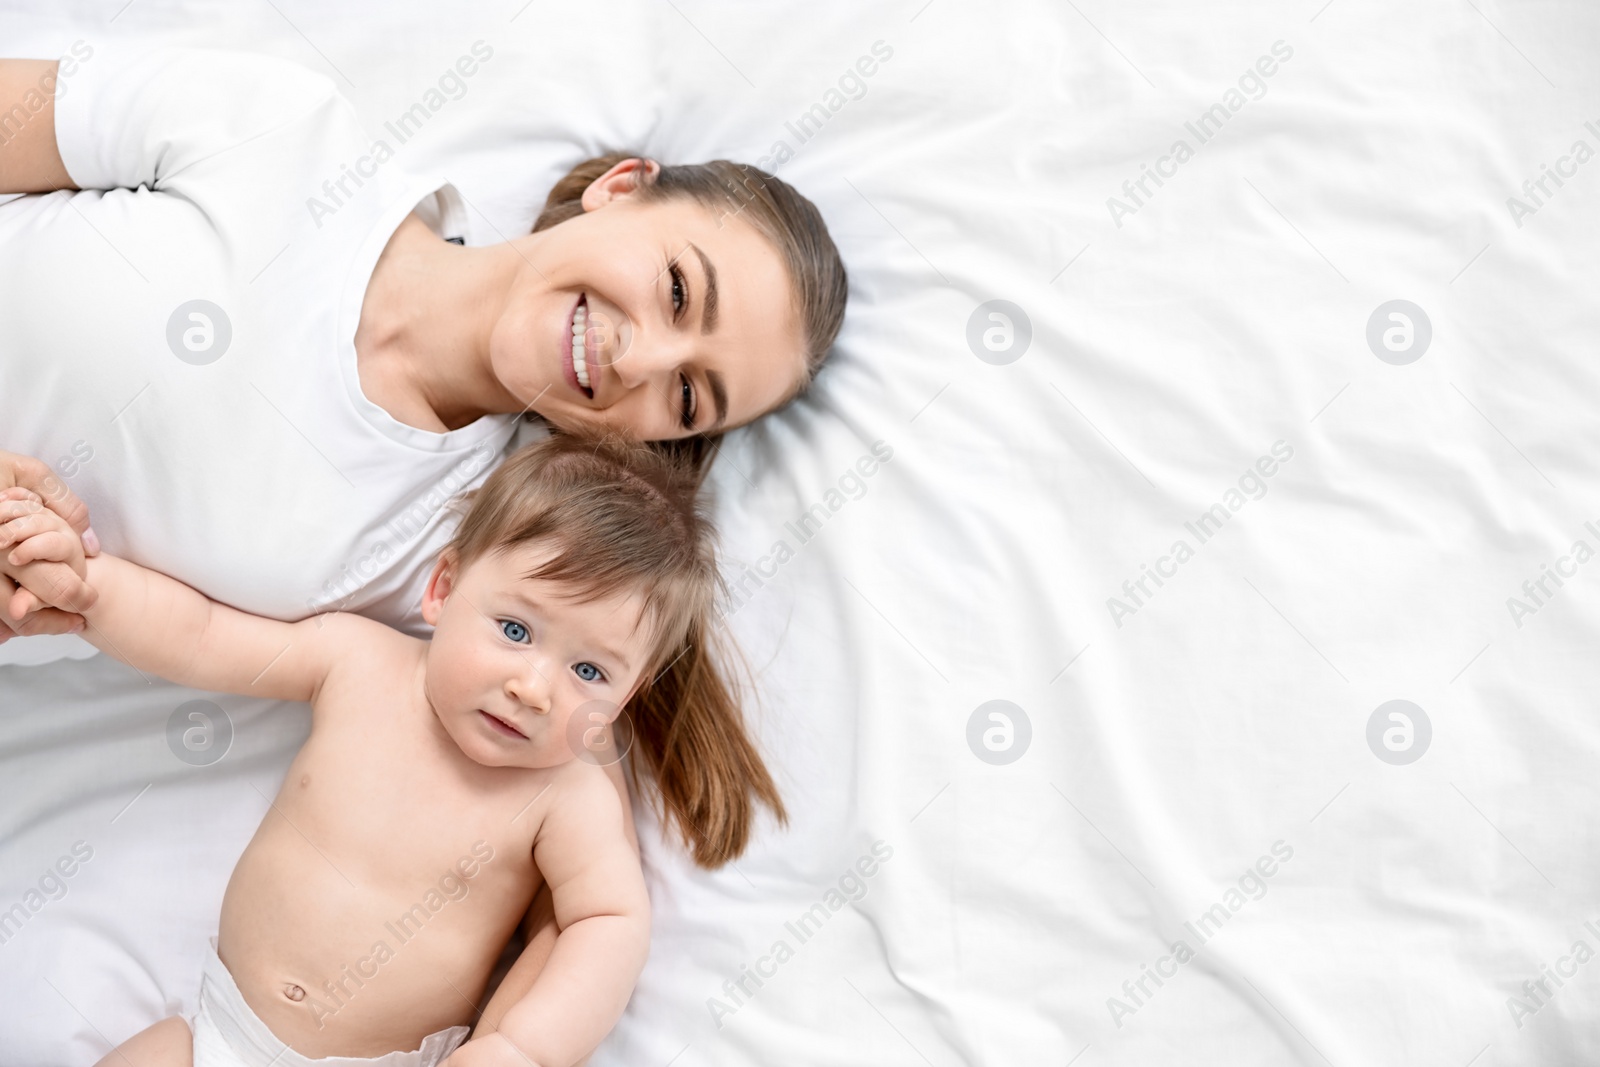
{"x":30,"y":161}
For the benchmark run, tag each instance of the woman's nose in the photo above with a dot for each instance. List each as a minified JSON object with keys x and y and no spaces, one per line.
{"x":648,"y":360}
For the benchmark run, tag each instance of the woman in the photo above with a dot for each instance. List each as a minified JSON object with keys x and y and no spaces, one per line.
{"x":255,"y":337}
{"x":260,"y":355}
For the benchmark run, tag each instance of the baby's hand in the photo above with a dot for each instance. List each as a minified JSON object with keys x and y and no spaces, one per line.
{"x":34,"y":543}
{"x":37,"y":533}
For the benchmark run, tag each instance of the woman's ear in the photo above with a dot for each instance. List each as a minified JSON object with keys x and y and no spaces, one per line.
{"x":620,"y":181}
{"x":440,"y":583}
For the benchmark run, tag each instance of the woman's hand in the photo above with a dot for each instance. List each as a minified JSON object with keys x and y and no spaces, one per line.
{"x":43,"y":597}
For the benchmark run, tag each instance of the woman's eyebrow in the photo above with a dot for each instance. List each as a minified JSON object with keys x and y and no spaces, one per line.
{"x":719,"y":398}
{"x":708,"y":323}
{"x":708,"y":311}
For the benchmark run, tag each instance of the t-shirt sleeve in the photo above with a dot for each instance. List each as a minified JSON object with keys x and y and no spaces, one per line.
{"x":171,"y":118}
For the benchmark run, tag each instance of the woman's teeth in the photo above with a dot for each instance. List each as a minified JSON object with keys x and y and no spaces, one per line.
{"x":580,"y":329}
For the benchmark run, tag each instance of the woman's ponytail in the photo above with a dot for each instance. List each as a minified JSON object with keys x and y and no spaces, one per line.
{"x":689,"y":732}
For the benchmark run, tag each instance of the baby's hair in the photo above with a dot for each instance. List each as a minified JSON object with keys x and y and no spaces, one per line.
{"x":620,"y":517}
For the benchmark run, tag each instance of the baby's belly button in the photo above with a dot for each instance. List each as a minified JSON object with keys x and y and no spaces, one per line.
{"x":290,"y":989}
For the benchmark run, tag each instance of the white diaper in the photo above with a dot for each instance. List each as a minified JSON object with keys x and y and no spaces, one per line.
{"x":228,"y":1034}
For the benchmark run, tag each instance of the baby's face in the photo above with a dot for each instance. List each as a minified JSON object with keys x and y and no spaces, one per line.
{"x":514,"y":661}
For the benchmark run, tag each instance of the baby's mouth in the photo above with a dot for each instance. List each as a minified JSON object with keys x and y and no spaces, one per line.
{"x":502,"y":725}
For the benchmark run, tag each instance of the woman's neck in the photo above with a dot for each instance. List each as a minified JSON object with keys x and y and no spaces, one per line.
{"x":422,"y":342}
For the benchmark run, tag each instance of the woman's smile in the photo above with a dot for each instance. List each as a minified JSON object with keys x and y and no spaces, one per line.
{"x":580,"y":357}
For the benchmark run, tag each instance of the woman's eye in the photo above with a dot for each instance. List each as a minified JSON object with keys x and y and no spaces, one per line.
{"x":680,"y":290}
{"x":588,"y":672}
{"x":688,"y":402}
{"x":514,"y":630}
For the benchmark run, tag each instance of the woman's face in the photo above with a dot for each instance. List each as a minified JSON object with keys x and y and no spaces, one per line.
{"x":687,"y":312}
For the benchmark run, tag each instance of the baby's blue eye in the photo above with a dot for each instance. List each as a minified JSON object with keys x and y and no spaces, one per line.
{"x":593,"y":674}
{"x":514,"y":630}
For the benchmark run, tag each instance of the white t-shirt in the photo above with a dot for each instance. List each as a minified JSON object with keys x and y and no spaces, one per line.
{"x":257,"y":472}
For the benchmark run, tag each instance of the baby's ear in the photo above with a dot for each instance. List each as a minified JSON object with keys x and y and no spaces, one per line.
{"x":440,"y":584}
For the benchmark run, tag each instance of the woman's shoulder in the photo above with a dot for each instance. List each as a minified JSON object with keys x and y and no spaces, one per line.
{"x":231,"y":132}
{"x":151,"y":88}
{"x":272,"y":81}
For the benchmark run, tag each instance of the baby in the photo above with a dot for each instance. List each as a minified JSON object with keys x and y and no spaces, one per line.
{"x":446,"y":780}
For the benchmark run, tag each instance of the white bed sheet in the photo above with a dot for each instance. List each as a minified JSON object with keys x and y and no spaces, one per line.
{"x":1173,"y":746}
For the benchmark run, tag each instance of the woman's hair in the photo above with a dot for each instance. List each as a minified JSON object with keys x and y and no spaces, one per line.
{"x":788,"y":220}
{"x":624,"y":517}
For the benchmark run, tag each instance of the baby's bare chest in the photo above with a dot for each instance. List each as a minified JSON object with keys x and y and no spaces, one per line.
{"x":390,"y":813}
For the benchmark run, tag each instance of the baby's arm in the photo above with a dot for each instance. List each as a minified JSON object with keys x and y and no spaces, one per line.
{"x":156,"y":624}
{"x":587,"y":853}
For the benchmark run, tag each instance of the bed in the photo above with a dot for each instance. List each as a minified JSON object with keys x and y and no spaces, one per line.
{"x":1172,"y":616}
